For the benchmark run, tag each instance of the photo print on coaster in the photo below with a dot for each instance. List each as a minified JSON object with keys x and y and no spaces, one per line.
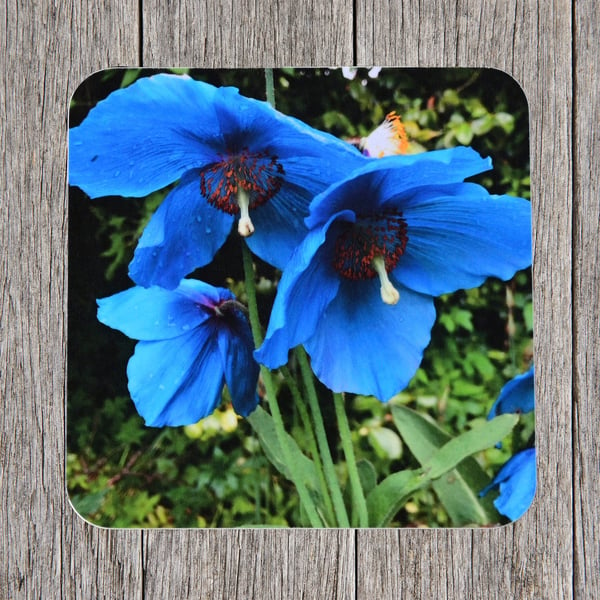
{"x":300,"y":297}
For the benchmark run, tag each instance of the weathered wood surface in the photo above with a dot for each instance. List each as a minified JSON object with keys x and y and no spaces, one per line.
{"x":551,"y":48}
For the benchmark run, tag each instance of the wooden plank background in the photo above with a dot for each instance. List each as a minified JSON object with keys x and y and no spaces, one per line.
{"x":551,"y":47}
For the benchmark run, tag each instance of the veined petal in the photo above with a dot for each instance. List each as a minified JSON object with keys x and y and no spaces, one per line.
{"x":365,"y":189}
{"x":309,"y":283}
{"x":151,"y":314}
{"x":317,"y":171}
{"x":177,"y":381}
{"x":241,"y":370}
{"x":365,"y":346}
{"x":459,"y":235}
{"x":256,"y":125}
{"x":144,"y":137}
{"x":518,"y":395}
{"x":279,"y":225}
{"x":183,"y":234}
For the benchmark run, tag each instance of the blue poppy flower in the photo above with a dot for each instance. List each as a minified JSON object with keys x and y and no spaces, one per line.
{"x":358,"y":292}
{"x":236,"y":159}
{"x":517,"y":396}
{"x":193,"y":340}
{"x":516,"y":482}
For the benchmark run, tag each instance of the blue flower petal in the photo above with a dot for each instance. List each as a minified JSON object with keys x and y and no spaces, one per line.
{"x":238,"y":364}
{"x":517,"y":483}
{"x":366,"y":188}
{"x":316,"y":171}
{"x":459,"y":235}
{"x":178,"y":381}
{"x":516,"y":396}
{"x":182,"y":235}
{"x":367,"y":347}
{"x":279,"y":225}
{"x":144,"y":137}
{"x":150,"y":314}
{"x":257,"y":126}
{"x":307,"y":286}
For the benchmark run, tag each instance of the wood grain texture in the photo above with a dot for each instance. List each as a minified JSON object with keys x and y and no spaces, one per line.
{"x":247,"y":33}
{"x":586,"y":302}
{"x":47,"y":551}
{"x":242,"y":564}
{"x":531,"y":41}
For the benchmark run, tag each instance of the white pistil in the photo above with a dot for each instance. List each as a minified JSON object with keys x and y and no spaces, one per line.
{"x":389,"y":294}
{"x":245,"y":226}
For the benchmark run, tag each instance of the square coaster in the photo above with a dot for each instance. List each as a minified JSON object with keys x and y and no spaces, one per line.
{"x":300,"y":298}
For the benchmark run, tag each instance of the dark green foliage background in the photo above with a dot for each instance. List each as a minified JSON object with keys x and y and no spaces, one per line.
{"x":214,"y":474}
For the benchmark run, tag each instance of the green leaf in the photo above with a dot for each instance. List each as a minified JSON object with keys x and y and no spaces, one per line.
{"x":506,"y":121}
{"x":483,"y":125}
{"x":366,"y":474}
{"x":463,"y":318}
{"x":464,"y":133}
{"x":482,"y":363}
{"x":386,"y":499}
{"x":466,"y":389}
{"x":476,"y":440}
{"x":528,"y":316}
{"x":447,"y":321}
{"x":385,"y":442}
{"x":450,"y":97}
{"x":262,"y":423}
{"x":87,"y":504}
{"x":130,"y":76}
{"x":457,"y":489}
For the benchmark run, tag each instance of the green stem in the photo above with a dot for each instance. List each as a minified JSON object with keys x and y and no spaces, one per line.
{"x":357,"y":491}
{"x":251,"y":293}
{"x":328,"y":466}
{"x":312,"y":442}
{"x":305,"y":498}
{"x":270,"y":87}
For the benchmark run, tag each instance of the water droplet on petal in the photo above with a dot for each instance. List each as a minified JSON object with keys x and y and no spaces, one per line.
{"x":199,"y":218}
{"x":208,"y":230}
{"x":117,"y":173}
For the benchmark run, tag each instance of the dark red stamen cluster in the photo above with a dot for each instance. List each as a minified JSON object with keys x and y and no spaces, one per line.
{"x":370,"y":236}
{"x":261,"y":176}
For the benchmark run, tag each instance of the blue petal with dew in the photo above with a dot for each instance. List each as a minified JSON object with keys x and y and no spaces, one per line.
{"x":144,"y":137}
{"x":150,"y":314}
{"x":183,"y":234}
{"x":178,"y":381}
